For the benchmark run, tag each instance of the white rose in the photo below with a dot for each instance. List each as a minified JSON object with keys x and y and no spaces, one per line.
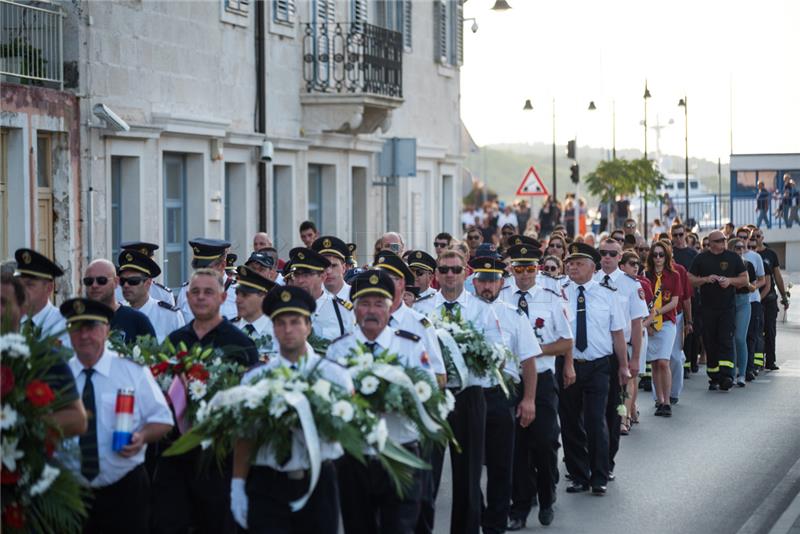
{"x":423,"y":390}
{"x":369,"y":385}
{"x":49,"y":475}
{"x":197,"y":390}
{"x":322,"y":388}
{"x":343,"y":410}
{"x":8,"y":417}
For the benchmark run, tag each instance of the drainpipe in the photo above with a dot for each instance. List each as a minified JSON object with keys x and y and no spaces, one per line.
{"x":261,"y":112}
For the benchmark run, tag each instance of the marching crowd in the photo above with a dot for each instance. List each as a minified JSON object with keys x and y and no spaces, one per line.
{"x":595,"y":330}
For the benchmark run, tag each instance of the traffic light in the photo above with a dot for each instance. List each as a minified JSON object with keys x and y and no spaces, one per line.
{"x":574,"y":173}
{"x":571,"y":149}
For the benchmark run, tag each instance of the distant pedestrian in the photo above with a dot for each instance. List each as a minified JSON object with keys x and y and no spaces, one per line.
{"x":549,"y":216}
{"x":523,"y":216}
{"x":789,"y":201}
{"x":622,"y":210}
{"x":762,"y":205}
{"x":602,"y":209}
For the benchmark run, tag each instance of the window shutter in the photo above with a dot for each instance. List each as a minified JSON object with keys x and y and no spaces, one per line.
{"x":359,"y":11}
{"x":407,"y":23}
{"x":240,"y":7}
{"x":283,"y":10}
{"x":440,"y":31}
{"x":326,"y":11}
{"x":459,"y":32}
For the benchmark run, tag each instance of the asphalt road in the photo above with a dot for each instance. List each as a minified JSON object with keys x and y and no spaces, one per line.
{"x":706,"y":470}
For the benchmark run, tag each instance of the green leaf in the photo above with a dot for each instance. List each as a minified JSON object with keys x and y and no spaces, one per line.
{"x":185,"y":443}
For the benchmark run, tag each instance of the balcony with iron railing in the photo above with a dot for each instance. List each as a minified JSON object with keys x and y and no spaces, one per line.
{"x":353,"y":76}
{"x":31,"y":43}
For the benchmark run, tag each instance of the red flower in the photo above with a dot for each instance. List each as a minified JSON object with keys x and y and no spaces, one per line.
{"x":539,"y":322}
{"x":39,"y":393}
{"x":197,"y":372}
{"x":13,"y":516}
{"x":8,"y":477}
{"x":6,"y":380}
{"x":159,"y":368}
{"x":182,"y":354}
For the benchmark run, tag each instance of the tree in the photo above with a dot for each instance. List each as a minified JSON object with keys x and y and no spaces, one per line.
{"x":623,"y":177}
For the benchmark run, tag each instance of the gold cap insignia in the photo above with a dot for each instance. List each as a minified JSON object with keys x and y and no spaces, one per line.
{"x":419,"y":255}
{"x":301,"y":255}
{"x":374,"y":279}
{"x":487,"y":265}
{"x":242,"y":270}
{"x":286,"y":296}
{"x":574,"y":249}
{"x":144,"y":251}
{"x":523,"y":250}
{"x":128,"y":257}
{"x":518,"y":241}
{"x":26,"y":257}
{"x":351,"y":247}
{"x":79,"y":307}
{"x":382,"y":259}
{"x":196,"y":250}
{"x":326,"y":243}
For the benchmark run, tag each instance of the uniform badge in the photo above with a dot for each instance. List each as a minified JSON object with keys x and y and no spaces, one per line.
{"x":26,"y":257}
{"x":581,"y":300}
{"x":79,"y":307}
{"x":382,"y":259}
{"x":242,"y":270}
{"x":641,"y":293}
{"x":723,"y":265}
{"x":128,"y":257}
{"x":424,"y":360}
{"x":419,"y":255}
{"x":487,"y":265}
{"x":523,"y":250}
{"x":373,"y":279}
{"x":518,"y":241}
{"x":144,"y":251}
{"x":196,"y":250}
{"x":326,"y":243}
{"x":523,"y":303}
{"x":286,"y":296}
{"x":574,"y":249}
{"x":301,"y":256}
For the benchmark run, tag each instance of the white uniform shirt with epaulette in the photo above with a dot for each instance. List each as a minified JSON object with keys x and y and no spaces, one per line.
{"x":603,"y":316}
{"x":326,"y":370}
{"x":344,"y":293}
{"x":228,"y":309}
{"x":424,"y":304}
{"x":164,"y":317}
{"x":157,"y":291}
{"x":51,"y":322}
{"x":548,"y":315}
{"x":113,"y":373}
{"x":333,"y":317}
{"x":410,"y":353}
{"x":412,"y":321}
{"x":509,"y":327}
{"x":262,"y":333}
{"x":630,"y":295}
{"x":470,"y":307}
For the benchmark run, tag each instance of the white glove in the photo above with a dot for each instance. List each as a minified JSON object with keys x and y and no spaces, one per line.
{"x":239,"y":502}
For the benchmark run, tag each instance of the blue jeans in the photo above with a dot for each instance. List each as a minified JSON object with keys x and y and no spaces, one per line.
{"x":741,"y":323}
{"x":762,"y":216}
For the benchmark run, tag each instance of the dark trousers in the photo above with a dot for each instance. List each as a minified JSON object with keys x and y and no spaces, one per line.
{"x":434,"y":455}
{"x":613,"y":419}
{"x":586,"y":453}
{"x":692,"y":345}
{"x":536,"y":452}
{"x":718,"y":327}
{"x":370,"y":504}
{"x":122,"y":507}
{"x":755,"y":337}
{"x":192,"y":491}
{"x":499,"y":459}
{"x":269,"y":493}
{"x":770,"y":330}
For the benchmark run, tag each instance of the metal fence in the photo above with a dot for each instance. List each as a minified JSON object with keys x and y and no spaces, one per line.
{"x":713,"y":211}
{"x":31,"y":43}
{"x":354,"y":58}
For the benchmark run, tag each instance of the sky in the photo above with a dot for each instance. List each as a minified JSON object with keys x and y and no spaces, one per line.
{"x":737,"y":62}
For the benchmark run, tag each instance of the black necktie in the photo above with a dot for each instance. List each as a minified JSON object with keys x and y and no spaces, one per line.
{"x":607,"y":281}
{"x":522,"y":304}
{"x":580,"y":335}
{"x":371,"y":345}
{"x":450,"y":307}
{"x":90,"y":462}
{"x":250,"y":329}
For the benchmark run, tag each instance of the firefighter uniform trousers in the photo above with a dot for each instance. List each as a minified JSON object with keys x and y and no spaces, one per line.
{"x":755,"y":338}
{"x":536,"y":452}
{"x":499,"y":459}
{"x":718,"y":332}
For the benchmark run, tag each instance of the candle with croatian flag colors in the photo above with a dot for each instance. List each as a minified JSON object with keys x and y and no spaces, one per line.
{"x":123,"y":426}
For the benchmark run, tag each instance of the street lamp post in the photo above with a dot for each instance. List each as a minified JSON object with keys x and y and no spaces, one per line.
{"x":645,"y":97}
{"x":613,"y":129}
{"x":684,"y":103}
{"x":529,"y":107}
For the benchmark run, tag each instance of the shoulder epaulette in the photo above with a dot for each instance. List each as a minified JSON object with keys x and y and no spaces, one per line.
{"x":565,"y":285}
{"x":165,"y":288}
{"x":236,"y":319}
{"x":425,"y":322}
{"x":420,"y":299}
{"x":559,"y":295}
{"x":185,"y":284}
{"x":347,"y":305}
{"x":340,"y":337}
{"x":407,"y":335}
{"x":168,"y":306}
{"x":610,"y":288}
{"x":632,"y":277}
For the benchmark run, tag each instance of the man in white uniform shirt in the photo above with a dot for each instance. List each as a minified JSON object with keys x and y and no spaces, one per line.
{"x":38,"y":273}
{"x":599,"y":353}
{"x":335,"y":251}
{"x":333,"y":316}
{"x":118,"y":482}
{"x":511,"y":329}
{"x":157,"y":291}
{"x":634,"y":310}
{"x":369,"y":501}
{"x":536,"y":447}
{"x":262,"y":487}
{"x":251,"y":289}
{"x":422,"y":266}
{"x":210,"y":254}
{"x":136,"y":274}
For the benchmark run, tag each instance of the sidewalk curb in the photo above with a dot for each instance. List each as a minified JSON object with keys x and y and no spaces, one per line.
{"x":778,"y":503}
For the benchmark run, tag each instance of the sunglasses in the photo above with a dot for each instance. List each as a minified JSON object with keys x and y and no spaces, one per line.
{"x":550,"y":268}
{"x":132,"y":281}
{"x":752,"y":247}
{"x":658,"y":255}
{"x":419,"y":272}
{"x":739,"y":247}
{"x":90,"y":280}
{"x":473,"y":237}
{"x":611,"y":253}
{"x":519,"y":269}
{"x":439,"y":244}
{"x":720,"y":240}
{"x":678,"y":234}
{"x":555,"y":245}
{"x":455,"y":269}
{"x":634,"y":264}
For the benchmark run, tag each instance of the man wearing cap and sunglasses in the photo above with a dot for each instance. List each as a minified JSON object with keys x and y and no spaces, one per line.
{"x":117,"y":480}
{"x":38,"y":274}
{"x":136,"y":274}
{"x":157,"y":291}
{"x":422,"y":266}
{"x":536,"y":446}
{"x":251,"y":289}
{"x":209,"y":254}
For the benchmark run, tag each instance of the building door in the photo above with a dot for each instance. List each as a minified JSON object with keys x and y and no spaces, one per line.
{"x":44,"y":195}
{"x":175,"y":257}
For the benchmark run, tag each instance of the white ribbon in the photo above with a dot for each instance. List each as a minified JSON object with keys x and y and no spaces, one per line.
{"x":300,"y":403}
{"x":395,"y":375}
{"x":456,"y":357}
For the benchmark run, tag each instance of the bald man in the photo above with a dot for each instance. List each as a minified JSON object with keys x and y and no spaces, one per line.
{"x":394,"y":242}
{"x":100,"y":281}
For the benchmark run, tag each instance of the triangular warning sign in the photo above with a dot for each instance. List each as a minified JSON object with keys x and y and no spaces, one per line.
{"x":531,"y":187}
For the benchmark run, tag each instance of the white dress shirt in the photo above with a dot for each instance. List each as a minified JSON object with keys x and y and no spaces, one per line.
{"x":164,"y":319}
{"x":50,"y":320}
{"x":157,"y":291}
{"x":512,"y":330}
{"x":329,"y":450}
{"x":424,"y":303}
{"x":263,"y":327}
{"x":113,"y":373}
{"x":405,"y":318}
{"x":603,"y":316}
{"x":409,"y":353}
{"x":631,"y":299}
{"x":325,"y":320}
{"x":344,"y":293}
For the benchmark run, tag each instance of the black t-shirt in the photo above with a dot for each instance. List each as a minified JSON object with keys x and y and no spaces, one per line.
{"x":684,"y":256}
{"x":225,"y":336}
{"x":727,"y":264}
{"x":751,"y":276}
{"x":132,"y":323}
{"x":770,"y":262}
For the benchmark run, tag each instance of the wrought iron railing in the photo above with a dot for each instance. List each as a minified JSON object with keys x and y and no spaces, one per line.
{"x":31,"y":42}
{"x":355,"y":58}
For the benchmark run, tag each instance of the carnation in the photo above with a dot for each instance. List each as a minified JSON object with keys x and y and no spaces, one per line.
{"x":197,"y":389}
{"x":423,"y":390}
{"x":14,"y":345}
{"x":343,"y":410}
{"x":369,"y":385}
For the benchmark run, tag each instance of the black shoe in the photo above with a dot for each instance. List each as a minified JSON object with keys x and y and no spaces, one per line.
{"x":567,"y":476}
{"x":598,"y":490}
{"x":686,"y":373}
{"x":749,"y":376}
{"x":648,"y":386}
{"x":673,"y":400}
{"x":666,"y":410}
{"x":659,"y":411}
{"x":517,"y":524}
{"x":772,"y":367}
{"x":611,"y":476}
{"x":726,"y":384}
{"x":545,"y":515}
{"x":577,"y":487}
{"x":695,"y":368}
